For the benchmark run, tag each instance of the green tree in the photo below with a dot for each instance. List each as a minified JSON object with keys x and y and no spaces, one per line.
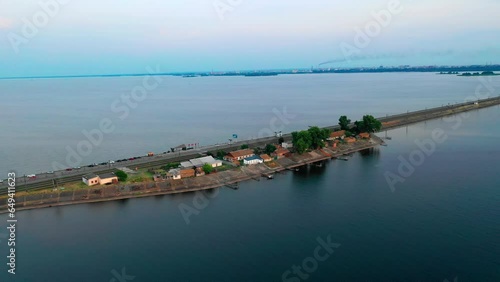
{"x":207,"y":168}
{"x":371,"y":124}
{"x":244,"y":146}
{"x":257,"y":151}
{"x":317,"y":137}
{"x":269,"y":149}
{"x":122,"y":176}
{"x":281,"y":140}
{"x":344,"y":123}
{"x":221,"y":154}
{"x":300,"y":146}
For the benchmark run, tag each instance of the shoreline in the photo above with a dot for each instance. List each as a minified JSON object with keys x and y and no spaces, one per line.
{"x":249,"y":173}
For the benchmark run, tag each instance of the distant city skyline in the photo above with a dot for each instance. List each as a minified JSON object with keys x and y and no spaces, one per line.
{"x":57,"y":38}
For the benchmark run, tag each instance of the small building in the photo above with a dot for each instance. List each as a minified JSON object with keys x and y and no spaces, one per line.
{"x":108,"y":178}
{"x":286,"y":145}
{"x":187,"y":172}
{"x":239,"y":155}
{"x":91,"y":179}
{"x":281,"y":153}
{"x":266,"y":158}
{"x":253,"y":160}
{"x":364,"y":135}
{"x":199,"y":162}
{"x":174,"y":174}
{"x":337,"y":135}
{"x":186,"y":165}
{"x":350,"y":140}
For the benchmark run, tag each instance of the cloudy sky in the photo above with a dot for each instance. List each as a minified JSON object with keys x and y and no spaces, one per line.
{"x":66,"y":37}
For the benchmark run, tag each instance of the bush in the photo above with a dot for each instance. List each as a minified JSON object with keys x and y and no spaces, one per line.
{"x":122,"y":176}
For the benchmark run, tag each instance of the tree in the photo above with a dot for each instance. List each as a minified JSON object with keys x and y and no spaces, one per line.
{"x":122,"y":176}
{"x":244,"y":146}
{"x":221,"y":154}
{"x":317,"y":137}
{"x":269,"y":149}
{"x":368,"y":124}
{"x":344,"y":123}
{"x":281,"y":140}
{"x":300,"y":146}
{"x":207,"y":168}
{"x":257,"y":151}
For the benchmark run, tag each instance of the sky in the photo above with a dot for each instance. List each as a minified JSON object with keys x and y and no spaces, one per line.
{"x":70,"y":37}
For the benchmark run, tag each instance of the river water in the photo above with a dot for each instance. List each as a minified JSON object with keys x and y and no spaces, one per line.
{"x":42,"y":121}
{"x":442,"y":223}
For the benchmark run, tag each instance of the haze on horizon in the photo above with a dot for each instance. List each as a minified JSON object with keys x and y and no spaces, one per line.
{"x":92,"y":37}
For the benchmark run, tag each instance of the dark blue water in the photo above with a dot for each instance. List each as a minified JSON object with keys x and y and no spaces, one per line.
{"x":442,"y":223}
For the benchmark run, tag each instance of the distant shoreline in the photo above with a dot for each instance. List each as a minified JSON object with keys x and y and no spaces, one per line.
{"x":257,"y":73}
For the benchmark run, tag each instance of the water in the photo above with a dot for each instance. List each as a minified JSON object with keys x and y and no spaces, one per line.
{"x":40,"y":118}
{"x":441,"y":223}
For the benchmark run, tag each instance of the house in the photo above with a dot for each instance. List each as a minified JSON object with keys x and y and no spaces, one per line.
{"x":266,"y":158}
{"x":174,"y":174}
{"x":239,"y":155}
{"x":187,"y":164}
{"x":286,"y":145}
{"x":281,"y":152}
{"x":337,"y":135}
{"x":350,"y":140}
{"x":103,"y":179}
{"x":108,"y":178}
{"x":199,"y":162}
{"x":253,"y":160}
{"x":91,"y":179}
{"x":364,"y":135}
{"x":187,"y":172}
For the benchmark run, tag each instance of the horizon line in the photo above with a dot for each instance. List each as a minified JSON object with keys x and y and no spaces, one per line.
{"x":239,"y":71}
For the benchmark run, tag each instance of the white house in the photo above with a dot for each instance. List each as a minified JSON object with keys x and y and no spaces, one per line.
{"x":91,"y":179}
{"x":108,"y":178}
{"x":253,"y":160}
{"x":174,"y":173}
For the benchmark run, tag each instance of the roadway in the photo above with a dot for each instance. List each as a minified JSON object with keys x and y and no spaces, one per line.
{"x":58,"y":178}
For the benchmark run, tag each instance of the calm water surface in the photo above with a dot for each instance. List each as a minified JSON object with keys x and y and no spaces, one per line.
{"x":442,"y":223}
{"x":40,"y":118}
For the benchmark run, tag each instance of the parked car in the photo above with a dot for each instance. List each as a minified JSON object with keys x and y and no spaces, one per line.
{"x":50,"y":172}
{"x":131,"y":159}
{"x":104,"y":163}
{"x":31,"y":176}
{"x":124,"y":160}
{"x":69,"y":169}
{"x":91,"y":165}
{"x":111,"y":162}
{"x":76,"y":167}
{"x":1,"y":180}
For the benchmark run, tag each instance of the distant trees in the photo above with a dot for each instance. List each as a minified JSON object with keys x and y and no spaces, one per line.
{"x":344,"y":123}
{"x":171,"y":165}
{"x":281,"y":140}
{"x":122,"y":176}
{"x":312,"y":138}
{"x":244,"y":146}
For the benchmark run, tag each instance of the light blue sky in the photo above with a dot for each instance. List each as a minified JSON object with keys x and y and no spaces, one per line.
{"x":119,"y":36}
